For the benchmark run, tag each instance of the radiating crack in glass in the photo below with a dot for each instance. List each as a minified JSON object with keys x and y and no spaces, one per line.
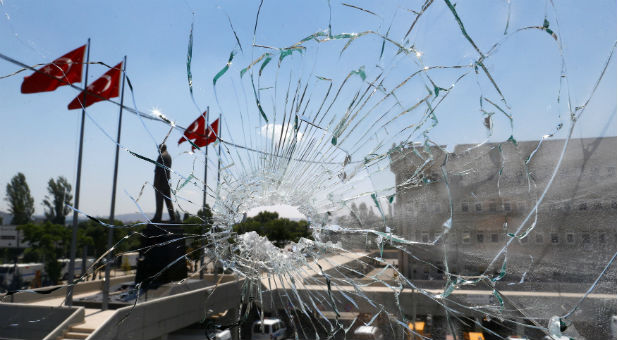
{"x":368,"y":133}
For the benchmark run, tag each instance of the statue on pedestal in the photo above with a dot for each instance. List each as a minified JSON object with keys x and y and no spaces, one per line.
{"x":161,"y":245}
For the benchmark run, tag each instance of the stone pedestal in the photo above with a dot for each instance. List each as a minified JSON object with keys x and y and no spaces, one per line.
{"x":161,"y":246}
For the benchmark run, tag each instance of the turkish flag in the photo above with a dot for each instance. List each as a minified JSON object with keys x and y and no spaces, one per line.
{"x":62,"y":71}
{"x":209,"y":137}
{"x":106,"y":87}
{"x":194,"y":130}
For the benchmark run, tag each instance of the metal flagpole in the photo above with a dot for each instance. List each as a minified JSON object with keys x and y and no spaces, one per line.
{"x":218,"y":172}
{"x":69,"y":297}
{"x":110,"y":232}
{"x":219,"y":164}
{"x":206,"y":130}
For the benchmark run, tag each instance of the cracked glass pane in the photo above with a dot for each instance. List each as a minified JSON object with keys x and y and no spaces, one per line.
{"x":342,"y":170}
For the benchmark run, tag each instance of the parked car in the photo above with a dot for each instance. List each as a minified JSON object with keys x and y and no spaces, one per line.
{"x":273,"y":329}
{"x":419,"y":328}
{"x":473,"y":336}
{"x":367,"y":333}
{"x":220,"y":335}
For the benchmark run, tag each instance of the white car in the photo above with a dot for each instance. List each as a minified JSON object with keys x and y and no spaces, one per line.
{"x":270,"y":329}
{"x":220,"y":335}
{"x":368,"y":333}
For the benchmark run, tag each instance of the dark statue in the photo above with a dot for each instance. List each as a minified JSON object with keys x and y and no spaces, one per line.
{"x":162,"y":184}
{"x":161,"y":245}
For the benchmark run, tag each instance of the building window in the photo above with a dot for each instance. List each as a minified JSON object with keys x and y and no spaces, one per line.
{"x":469,"y":269}
{"x":583,"y":206}
{"x":465,"y":237}
{"x":492,"y":206}
{"x":507,"y":206}
{"x":601,"y":237}
{"x":554,"y":238}
{"x":464,"y":206}
{"x":478,"y":206}
{"x":494,"y":238}
{"x":7,"y":237}
{"x":479,"y":238}
{"x":539,"y":238}
{"x":570,"y":238}
{"x":585,"y":238}
{"x":425,"y":237}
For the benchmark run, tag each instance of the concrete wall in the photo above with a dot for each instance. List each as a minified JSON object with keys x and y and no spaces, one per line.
{"x":21,"y":321}
{"x":75,"y":318}
{"x":80,"y":288}
{"x":170,"y":289}
{"x":156,"y":318}
{"x":547,"y":303}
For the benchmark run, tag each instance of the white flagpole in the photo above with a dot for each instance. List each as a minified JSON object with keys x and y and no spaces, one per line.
{"x":69,"y":296}
{"x":219,"y":164}
{"x":207,"y":131}
{"x":110,"y":232}
{"x":203,"y":245}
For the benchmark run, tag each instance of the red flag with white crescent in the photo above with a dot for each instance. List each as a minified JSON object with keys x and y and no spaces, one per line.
{"x":106,"y":87}
{"x":209,"y":137}
{"x":62,"y":71}
{"x":194,"y":130}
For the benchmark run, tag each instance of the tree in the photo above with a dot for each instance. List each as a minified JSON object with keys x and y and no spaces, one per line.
{"x":56,"y":202}
{"x":48,"y":243}
{"x":197,"y":225}
{"x":94,"y":235}
{"x":363,"y":211}
{"x":265,"y":216}
{"x":280,"y":231}
{"x":21,"y":203}
{"x":205,"y":214}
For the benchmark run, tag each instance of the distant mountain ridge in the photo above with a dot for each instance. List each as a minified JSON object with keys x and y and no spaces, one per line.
{"x":134,"y":217}
{"x":125,"y":218}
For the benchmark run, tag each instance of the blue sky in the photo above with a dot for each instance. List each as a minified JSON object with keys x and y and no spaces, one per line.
{"x":40,"y":135}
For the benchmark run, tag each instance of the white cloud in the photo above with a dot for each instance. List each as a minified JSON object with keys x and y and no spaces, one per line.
{"x":267,"y":131}
{"x":284,"y":210}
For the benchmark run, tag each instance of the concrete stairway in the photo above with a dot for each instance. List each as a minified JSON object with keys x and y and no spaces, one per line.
{"x":76,"y":332}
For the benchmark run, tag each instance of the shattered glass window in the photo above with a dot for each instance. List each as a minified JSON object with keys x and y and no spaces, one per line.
{"x":454,"y":161}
